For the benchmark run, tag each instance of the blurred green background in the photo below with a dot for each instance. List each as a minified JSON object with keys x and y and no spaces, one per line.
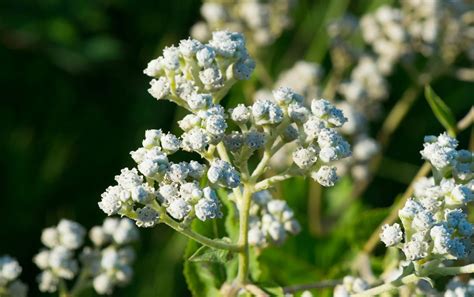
{"x":74,"y":103}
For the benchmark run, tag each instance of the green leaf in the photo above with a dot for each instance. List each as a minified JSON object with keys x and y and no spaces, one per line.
{"x":204,"y":278}
{"x":211,"y":255}
{"x":441,"y":111}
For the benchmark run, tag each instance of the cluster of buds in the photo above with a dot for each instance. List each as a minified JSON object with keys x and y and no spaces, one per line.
{"x":102,"y":266}
{"x":110,"y":258}
{"x":270,"y":221}
{"x":161,"y":191}
{"x":262,"y":21}
{"x":350,"y":285}
{"x":191,"y":73}
{"x":435,"y":225}
{"x":160,"y":187}
{"x":10,"y":285}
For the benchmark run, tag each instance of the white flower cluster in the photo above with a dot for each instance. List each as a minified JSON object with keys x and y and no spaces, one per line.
{"x":159,"y":190}
{"x":262,"y":21}
{"x":106,"y":264}
{"x":318,"y":145}
{"x":435,"y":224}
{"x":171,"y":187}
{"x":350,"y":285}
{"x":432,"y":28}
{"x":10,"y":285}
{"x":458,"y":288}
{"x":57,"y":261}
{"x":383,"y":29}
{"x":270,"y":220}
{"x":362,"y":95}
{"x":193,"y":74}
{"x":109,"y":260}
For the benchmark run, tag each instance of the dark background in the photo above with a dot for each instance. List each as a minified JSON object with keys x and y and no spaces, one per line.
{"x":73,"y":103}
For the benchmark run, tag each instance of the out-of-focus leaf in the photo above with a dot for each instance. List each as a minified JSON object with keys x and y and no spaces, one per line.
{"x":102,"y":48}
{"x":441,"y":111}
{"x":211,"y":255}
{"x":336,"y":197}
{"x":364,"y":224}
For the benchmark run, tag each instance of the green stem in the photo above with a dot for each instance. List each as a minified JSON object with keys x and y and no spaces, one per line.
{"x":214,"y":243}
{"x":269,"y":182}
{"x":81,"y":283}
{"x":242,"y":276}
{"x":388,"y":286}
{"x":397,"y":114}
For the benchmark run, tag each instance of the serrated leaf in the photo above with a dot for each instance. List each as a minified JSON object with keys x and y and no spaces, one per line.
{"x":441,"y":111}
{"x":211,"y":255}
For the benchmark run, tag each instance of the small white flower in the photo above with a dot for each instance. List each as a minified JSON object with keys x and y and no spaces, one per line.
{"x":266,"y":112}
{"x":222,"y":173}
{"x":415,"y":249}
{"x":179,"y":208}
{"x":284,"y":96}
{"x":205,"y":56}
{"x":326,"y":176}
{"x":48,"y":281}
{"x":240,"y":114}
{"x":189,"y":47}
{"x":103,"y":284}
{"x":209,"y":206}
{"x":159,"y":88}
{"x":254,"y":140}
{"x":170,"y":143}
{"x":391,"y":235}
{"x":195,"y":140}
{"x":305,"y":158}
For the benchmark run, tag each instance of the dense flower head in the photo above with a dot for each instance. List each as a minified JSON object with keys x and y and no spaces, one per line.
{"x":193,"y":74}
{"x":435,"y":220}
{"x":61,"y":261}
{"x":10,"y":285}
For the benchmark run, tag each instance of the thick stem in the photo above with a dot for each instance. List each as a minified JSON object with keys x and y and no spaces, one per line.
{"x":242,"y":276}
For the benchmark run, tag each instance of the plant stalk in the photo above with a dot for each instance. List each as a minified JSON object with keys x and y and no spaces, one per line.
{"x":243,"y":272}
